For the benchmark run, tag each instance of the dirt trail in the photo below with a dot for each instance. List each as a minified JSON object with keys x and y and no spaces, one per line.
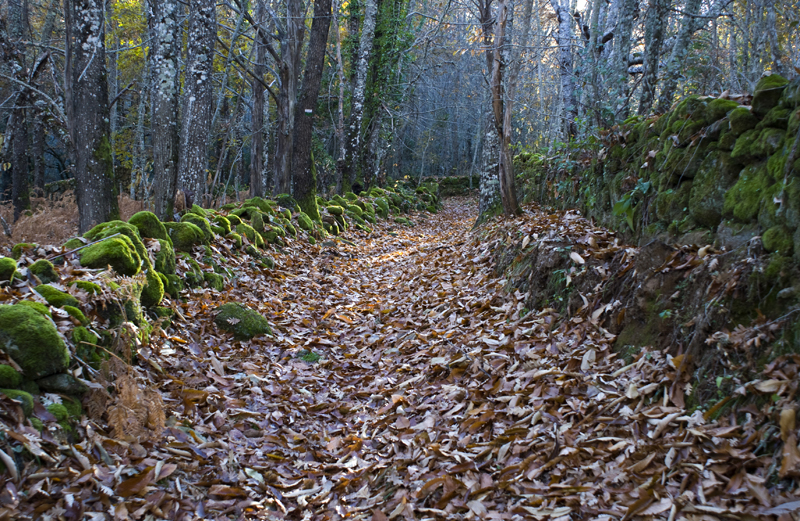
{"x":403,"y":382}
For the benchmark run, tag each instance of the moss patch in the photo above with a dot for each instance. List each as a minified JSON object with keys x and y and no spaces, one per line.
{"x":767,"y":93}
{"x":44,"y":270}
{"x":242,"y":321}
{"x":77,"y":314}
{"x":149,"y":225}
{"x":165,"y":258}
{"x":32,"y":341}
{"x":214,"y":281}
{"x":743,"y":200}
{"x":24,"y":399}
{"x":9,"y":377}
{"x":56,"y":298}
{"x":117,"y":252}
{"x":8,"y":267}
{"x":153,"y":291}
{"x":201,"y":223}
{"x":184,"y":235}
{"x":22,"y":247}
{"x":89,"y":287}
{"x":778,"y":239}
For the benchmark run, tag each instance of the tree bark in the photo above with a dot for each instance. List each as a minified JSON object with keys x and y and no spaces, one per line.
{"x":86,"y":100}
{"x":257,"y":140}
{"x":653,"y":40}
{"x":164,"y":54}
{"x":359,"y":92}
{"x":305,"y":177}
{"x":197,"y":99}
{"x":564,"y":42}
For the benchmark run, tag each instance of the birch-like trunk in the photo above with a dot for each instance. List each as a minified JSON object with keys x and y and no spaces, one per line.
{"x":197,"y":99}
{"x":257,"y":140}
{"x":653,"y":39}
{"x":489,"y":185}
{"x":164,"y":54}
{"x":86,"y":100}
{"x":340,"y":138}
{"x":305,"y":178}
{"x":564,"y":42}
{"x":288,"y":71}
{"x":366,"y":41}
{"x":619,"y":66}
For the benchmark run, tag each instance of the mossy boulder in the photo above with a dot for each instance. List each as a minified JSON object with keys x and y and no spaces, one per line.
{"x":107,"y":229}
{"x":77,"y":314}
{"x":778,"y":239}
{"x":257,"y":222}
{"x":222,"y":222}
{"x":234,"y":220}
{"x":261,"y":204}
{"x":242,"y":321}
{"x":153,"y":291}
{"x":174,"y":285}
{"x":744,"y":143}
{"x":55,"y":297}
{"x":165,"y":258}
{"x":335,"y":210}
{"x":778,"y":117}
{"x":118,"y":252}
{"x":236,"y":238}
{"x":44,"y":270}
{"x":59,"y":411}
{"x":718,"y":109}
{"x":305,"y":222}
{"x":184,"y":235}
{"x":149,"y":225}
{"x":37,"y":306}
{"x":8,"y":267}
{"x":202,"y":223}
{"x":86,"y":344}
{"x":355,"y":210}
{"x":24,"y":399}
{"x":743,"y":200}
{"x":715,"y":176}
{"x":9,"y":377}
{"x":32,"y":341}
{"x":287,"y":201}
{"x":22,"y":247}
{"x":89,"y":287}
{"x":194,"y":275}
{"x":382,"y":208}
{"x":767,"y":143}
{"x":247,"y":231}
{"x":214,"y":281}
{"x":767,"y":93}
{"x":741,"y":120}
{"x":62,"y":383}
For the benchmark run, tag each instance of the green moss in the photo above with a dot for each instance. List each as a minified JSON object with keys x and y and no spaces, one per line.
{"x":8,"y":267}
{"x":30,"y":387}
{"x":89,"y":287}
{"x":185,"y":235}
{"x":715,"y":176}
{"x":743,"y":200}
{"x":287,"y":201}
{"x":9,"y":377}
{"x":194,"y":276}
{"x":234,"y":220}
{"x":36,"y":306}
{"x":382,"y":208}
{"x":107,"y":229}
{"x":304,"y":221}
{"x":36,"y":423}
{"x":214,"y":281}
{"x":59,"y":411}
{"x":174,"y":286}
{"x":742,"y":148}
{"x":222,"y":222}
{"x":74,"y":243}
{"x":718,"y":109}
{"x":778,"y":117}
{"x":247,"y":231}
{"x":149,"y":225}
{"x":351,"y":197}
{"x":257,"y":222}
{"x":73,"y":408}
{"x":778,"y":239}
{"x":308,"y":356}
{"x":403,"y":220}
{"x":153,"y":291}
{"x":261,"y":204}
{"x":767,"y":143}
{"x":335,"y":210}
{"x":77,"y":314}
{"x":741,"y":120}
{"x":24,"y":399}
{"x":22,"y":247}
{"x":767,"y":93}
{"x":32,"y":341}
{"x":165,"y":258}
{"x":243,"y":322}
{"x":202,"y":223}
{"x":44,"y":270}
{"x":236,"y":238}
{"x":355,"y":210}
{"x":117,"y":252}
{"x":56,"y":297}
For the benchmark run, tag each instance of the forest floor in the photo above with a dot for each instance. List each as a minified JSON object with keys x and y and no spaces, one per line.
{"x":402,"y":381}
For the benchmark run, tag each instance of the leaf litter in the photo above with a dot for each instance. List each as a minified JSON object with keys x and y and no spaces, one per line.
{"x":432,"y":393}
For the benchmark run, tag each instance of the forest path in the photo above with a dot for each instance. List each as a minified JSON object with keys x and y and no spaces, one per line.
{"x":403,"y":382}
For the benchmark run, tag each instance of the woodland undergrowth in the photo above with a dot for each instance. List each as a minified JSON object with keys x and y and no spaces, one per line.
{"x":404,"y":381}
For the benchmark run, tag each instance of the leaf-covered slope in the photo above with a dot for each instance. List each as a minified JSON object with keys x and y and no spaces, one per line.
{"x":403,"y":382}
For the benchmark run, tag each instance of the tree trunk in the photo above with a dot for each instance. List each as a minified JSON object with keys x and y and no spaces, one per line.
{"x":359,"y":92}
{"x":197,"y":100}
{"x":164,"y":54}
{"x":340,"y":138}
{"x":653,"y":39}
{"x":774,"y":44}
{"x":305,"y":177}
{"x":564,"y":41}
{"x":86,"y":100}
{"x":288,"y":71}
{"x":619,"y":66}
{"x":257,"y":140}
{"x":488,"y":183}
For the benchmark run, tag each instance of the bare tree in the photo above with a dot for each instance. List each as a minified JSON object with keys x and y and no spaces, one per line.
{"x":257,"y":166}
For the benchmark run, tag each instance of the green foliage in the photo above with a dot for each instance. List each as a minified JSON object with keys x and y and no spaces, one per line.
{"x":626,"y":206}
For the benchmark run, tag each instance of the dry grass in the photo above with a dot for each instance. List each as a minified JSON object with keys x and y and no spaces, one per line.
{"x":53,"y":221}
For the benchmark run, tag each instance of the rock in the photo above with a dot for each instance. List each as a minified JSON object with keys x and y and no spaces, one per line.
{"x":54,"y":297}
{"x":32,"y":341}
{"x":767,"y":93}
{"x":36,"y":306}
{"x":305,"y":222}
{"x":111,"y":228}
{"x":741,"y":120}
{"x":22,"y":247}
{"x":335,"y":210}
{"x":222,"y":222}
{"x":247,"y":231}
{"x":234,"y":220}
{"x":257,"y":222}
{"x":184,"y":235}
{"x":174,"y":285}
{"x":44,"y":271}
{"x":25,"y":399}
{"x":117,"y":252}
{"x":153,"y":291}
{"x":214,"y":280}
{"x":778,"y":239}
{"x":62,"y":383}
{"x":77,"y":314}
{"x":202,"y":223}
{"x":287,"y":201}
{"x":196,"y":210}
{"x":8,"y":267}
{"x":149,"y":226}
{"x":165,"y":258}
{"x":242,"y":321}
{"x":9,"y":377}
{"x":383,"y":208}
